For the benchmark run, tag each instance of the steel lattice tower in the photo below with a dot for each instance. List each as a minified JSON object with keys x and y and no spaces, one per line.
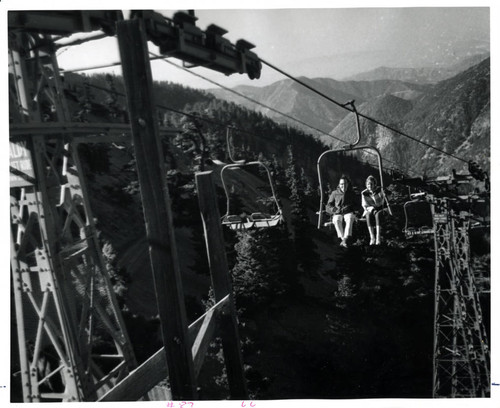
{"x":72,"y":340}
{"x":461,"y":354}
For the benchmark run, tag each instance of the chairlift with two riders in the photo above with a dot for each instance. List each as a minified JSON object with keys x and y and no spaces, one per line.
{"x":347,"y":148}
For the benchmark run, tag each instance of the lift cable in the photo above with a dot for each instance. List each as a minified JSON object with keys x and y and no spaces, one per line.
{"x":156,"y":57}
{"x":344,"y":106}
{"x":341,"y":105}
{"x":250,"y":99}
{"x":216,"y":123}
{"x":262,"y":104}
{"x":187,"y":114}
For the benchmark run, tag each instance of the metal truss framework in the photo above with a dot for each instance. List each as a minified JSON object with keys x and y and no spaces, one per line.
{"x":461,"y":353}
{"x":72,"y":340}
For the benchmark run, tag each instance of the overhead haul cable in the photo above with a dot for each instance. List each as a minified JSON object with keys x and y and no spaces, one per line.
{"x":155,"y":57}
{"x":258,"y":103}
{"x":311,"y":88}
{"x":249,"y":99}
{"x":344,"y":106}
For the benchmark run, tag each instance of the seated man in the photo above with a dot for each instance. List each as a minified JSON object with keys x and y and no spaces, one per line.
{"x":341,"y":206}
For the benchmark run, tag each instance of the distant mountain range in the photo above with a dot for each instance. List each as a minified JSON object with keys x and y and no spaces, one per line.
{"x":313,"y":113}
{"x":448,"y":108}
{"x":424,"y":75}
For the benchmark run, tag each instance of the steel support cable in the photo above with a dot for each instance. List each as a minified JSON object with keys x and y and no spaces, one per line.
{"x":190,"y":115}
{"x":262,"y":104}
{"x":344,"y":106}
{"x":212,"y":82}
{"x":155,"y":57}
{"x":249,"y":99}
{"x":179,"y":112}
{"x":413,"y":138}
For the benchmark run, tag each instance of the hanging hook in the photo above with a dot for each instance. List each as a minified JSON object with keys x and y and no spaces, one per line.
{"x":358,"y":127}
{"x":229,"y":146}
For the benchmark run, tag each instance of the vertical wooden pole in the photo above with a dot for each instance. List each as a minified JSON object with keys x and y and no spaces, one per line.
{"x":221,"y":283}
{"x":137,"y":76}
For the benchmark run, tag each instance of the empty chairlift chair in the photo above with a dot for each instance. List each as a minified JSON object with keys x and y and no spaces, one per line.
{"x":418,"y":216}
{"x":256,"y":219}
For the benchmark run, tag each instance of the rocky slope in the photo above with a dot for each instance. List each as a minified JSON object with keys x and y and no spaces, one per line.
{"x":453,"y":115}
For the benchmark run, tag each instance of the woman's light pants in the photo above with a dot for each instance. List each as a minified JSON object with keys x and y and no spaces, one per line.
{"x":338,"y":222}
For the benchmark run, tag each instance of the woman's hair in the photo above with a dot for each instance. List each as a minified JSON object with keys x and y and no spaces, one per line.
{"x":371,"y":178}
{"x":345,"y":178}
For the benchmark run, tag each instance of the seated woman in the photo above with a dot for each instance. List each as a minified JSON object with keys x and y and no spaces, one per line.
{"x":373,"y":202}
{"x":341,"y":206}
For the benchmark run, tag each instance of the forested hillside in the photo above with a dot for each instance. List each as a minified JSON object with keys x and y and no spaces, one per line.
{"x":316,"y":320}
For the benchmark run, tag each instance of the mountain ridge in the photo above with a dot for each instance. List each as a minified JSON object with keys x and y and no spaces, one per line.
{"x":422,"y":75}
{"x":453,"y":115}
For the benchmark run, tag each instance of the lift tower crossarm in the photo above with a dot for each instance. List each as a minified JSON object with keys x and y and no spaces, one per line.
{"x":181,"y":38}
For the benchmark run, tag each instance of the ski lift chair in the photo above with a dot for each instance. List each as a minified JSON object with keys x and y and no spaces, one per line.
{"x":256,"y":219}
{"x":348,"y":148}
{"x":418,"y":216}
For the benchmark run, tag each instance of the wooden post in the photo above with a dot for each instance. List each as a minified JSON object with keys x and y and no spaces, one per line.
{"x":221,"y":283}
{"x":132,"y":41}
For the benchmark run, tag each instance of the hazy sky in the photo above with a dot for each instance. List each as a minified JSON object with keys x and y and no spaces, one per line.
{"x":321,"y":42}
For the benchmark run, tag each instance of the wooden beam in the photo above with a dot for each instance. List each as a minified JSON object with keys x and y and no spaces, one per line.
{"x":202,"y":341}
{"x":132,"y":41}
{"x":206,"y":332}
{"x":141,"y":380}
{"x":193,"y":329}
{"x":153,"y":370}
{"x":221,"y":283}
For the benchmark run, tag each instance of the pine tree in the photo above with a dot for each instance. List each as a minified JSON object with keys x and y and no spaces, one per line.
{"x":302,"y":233}
{"x":276,"y":171}
{"x":193,"y":141}
{"x":307,"y":188}
{"x":261,"y":271}
{"x":248,"y":284}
